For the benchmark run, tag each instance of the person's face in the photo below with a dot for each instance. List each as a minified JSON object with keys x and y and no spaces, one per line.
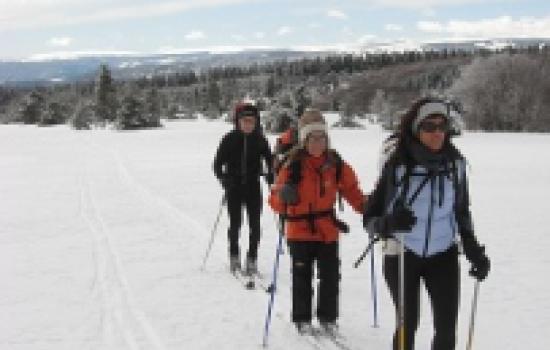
{"x":431,"y":132}
{"x":247,"y":124}
{"x":316,"y":143}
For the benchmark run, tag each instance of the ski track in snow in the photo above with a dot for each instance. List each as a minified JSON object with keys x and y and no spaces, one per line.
{"x":179,"y":217}
{"x":161,"y":205}
{"x":118,"y":303}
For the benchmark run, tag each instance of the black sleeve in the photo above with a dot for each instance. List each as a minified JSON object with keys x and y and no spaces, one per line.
{"x":471,"y":246}
{"x":220,"y":158}
{"x":377,"y":201}
{"x":267,"y":155}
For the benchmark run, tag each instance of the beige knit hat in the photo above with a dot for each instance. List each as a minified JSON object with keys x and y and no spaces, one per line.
{"x":311,"y":120}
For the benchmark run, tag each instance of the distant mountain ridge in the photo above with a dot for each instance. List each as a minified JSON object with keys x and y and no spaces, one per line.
{"x":127,"y":66}
{"x":45,"y":72}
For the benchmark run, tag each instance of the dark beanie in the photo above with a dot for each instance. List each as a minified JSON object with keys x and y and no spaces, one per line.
{"x":246,"y":110}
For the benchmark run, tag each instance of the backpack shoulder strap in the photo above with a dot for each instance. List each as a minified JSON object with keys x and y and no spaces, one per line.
{"x":338,"y":163}
{"x":458,"y":173}
{"x":404,"y":181}
{"x":295,"y":169}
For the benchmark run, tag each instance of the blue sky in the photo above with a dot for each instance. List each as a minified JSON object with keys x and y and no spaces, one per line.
{"x":46,"y":28}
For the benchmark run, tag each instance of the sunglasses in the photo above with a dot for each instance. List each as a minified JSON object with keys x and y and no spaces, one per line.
{"x":433,"y":127}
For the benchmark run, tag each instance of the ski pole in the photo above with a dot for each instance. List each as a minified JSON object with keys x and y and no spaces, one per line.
{"x":213,"y":233}
{"x":273,"y":285}
{"x":373,"y":290}
{"x":276,"y":219}
{"x":472,"y":317}
{"x":401,"y":313}
{"x":365,"y":252}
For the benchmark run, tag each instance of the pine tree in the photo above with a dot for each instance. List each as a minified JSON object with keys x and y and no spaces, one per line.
{"x":213,"y":96}
{"x":270,"y":87}
{"x":55,"y":113}
{"x":106,"y":103}
{"x":381,"y":105}
{"x":131,"y":114}
{"x":32,"y":109}
{"x":83,"y":117}
{"x":301,"y":100}
{"x":152,"y":108}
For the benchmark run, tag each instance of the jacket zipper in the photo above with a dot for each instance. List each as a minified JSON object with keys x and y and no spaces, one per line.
{"x":319,"y":180}
{"x":243,"y":162}
{"x":430,"y":214}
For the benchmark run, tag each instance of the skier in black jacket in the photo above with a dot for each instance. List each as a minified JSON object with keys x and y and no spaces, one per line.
{"x":238,"y":167}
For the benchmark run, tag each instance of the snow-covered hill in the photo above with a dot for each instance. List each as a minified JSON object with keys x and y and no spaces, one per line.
{"x":102,"y":234}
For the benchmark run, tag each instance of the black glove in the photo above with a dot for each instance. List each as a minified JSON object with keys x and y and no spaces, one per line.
{"x":480,"y":264}
{"x":401,"y":220}
{"x":269,"y":178}
{"x":289,"y":194}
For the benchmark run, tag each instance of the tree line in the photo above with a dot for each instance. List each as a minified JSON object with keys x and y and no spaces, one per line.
{"x":496,"y":90}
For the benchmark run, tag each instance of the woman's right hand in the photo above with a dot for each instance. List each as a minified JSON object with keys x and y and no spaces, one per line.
{"x":401,"y":219}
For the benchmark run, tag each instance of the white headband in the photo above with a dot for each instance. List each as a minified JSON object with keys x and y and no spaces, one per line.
{"x":428,"y":109}
{"x":309,"y":128}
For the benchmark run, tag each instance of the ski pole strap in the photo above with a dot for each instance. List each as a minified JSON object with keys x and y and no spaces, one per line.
{"x":366,"y":251}
{"x":311,"y":216}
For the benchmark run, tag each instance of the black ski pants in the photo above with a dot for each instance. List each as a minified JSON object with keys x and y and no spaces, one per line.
{"x":303,"y":255}
{"x":441,"y":276}
{"x":249,"y":196}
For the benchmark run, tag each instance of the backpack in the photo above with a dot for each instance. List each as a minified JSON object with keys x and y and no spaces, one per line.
{"x":282,"y":149}
{"x":389,"y":145}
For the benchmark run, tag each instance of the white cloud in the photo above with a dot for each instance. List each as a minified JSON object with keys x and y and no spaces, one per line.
{"x":430,"y":27}
{"x":60,"y":41}
{"x":390,"y":27}
{"x":336,"y":14}
{"x":284,"y":30}
{"x":500,"y":27}
{"x":366,"y":38}
{"x":194,"y":35}
{"x":45,"y":13}
{"x":314,"y":25}
{"x":237,"y":37}
{"x":259,"y":35}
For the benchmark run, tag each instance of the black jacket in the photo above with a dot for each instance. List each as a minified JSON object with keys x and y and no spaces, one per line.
{"x":238,"y":158}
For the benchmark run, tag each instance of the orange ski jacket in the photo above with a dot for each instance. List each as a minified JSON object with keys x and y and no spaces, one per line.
{"x":313,"y":217}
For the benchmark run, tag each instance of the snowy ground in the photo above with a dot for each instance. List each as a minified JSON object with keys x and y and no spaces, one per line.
{"x":102,"y":234}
